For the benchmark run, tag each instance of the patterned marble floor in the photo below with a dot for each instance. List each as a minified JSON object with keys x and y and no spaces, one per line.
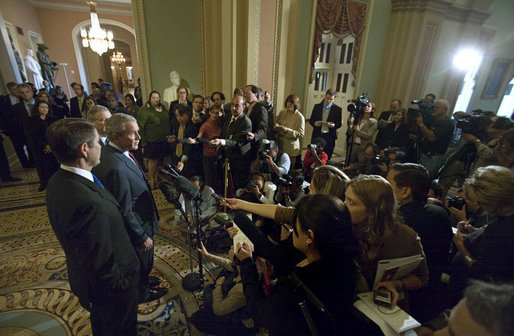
{"x":35,"y":298}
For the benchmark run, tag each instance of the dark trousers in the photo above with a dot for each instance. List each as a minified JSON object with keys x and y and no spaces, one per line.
{"x":240,"y":170}
{"x":213,"y":173}
{"x":114,"y":313}
{"x":145,"y":267}
{"x":5,"y":171}
{"x":18,"y":141}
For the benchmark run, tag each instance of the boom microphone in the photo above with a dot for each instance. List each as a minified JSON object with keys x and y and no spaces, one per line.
{"x":182,"y":184}
{"x":170,"y":193}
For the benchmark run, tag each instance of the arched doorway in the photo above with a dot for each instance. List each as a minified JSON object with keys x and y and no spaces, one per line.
{"x":92,"y":66}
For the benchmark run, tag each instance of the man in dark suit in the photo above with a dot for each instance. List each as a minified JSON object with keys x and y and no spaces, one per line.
{"x":326,"y":120}
{"x":8,"y":127}
{"x":187,"y":157}
{"x":103,"y":269}
{"x":123,"y":177}
{"x":77,"y":102}
{"x":259,"y":117}
{"x":410,"y":184}
{"x":21,"y":114}
{"x":235,"y":142}
{"x":386,"y":118}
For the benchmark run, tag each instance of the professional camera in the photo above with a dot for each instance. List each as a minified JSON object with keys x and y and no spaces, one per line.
{"x":474,"y":124}
{"x":456,"y":202}
{"x":380,"y":159}
{"x":252,"y":184}
{"x":285,"y":181}
{"x":356,"y":107}
{"x":425,"y":107}
{"x":265,"y":149}
{"x":312,"y":146}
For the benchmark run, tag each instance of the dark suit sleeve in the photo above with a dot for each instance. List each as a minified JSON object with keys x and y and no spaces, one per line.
{"x":116,"y":181}
{"x":261,"y":127}
{"x":337,"y":116}
{"x":90,"y":239}
{"x":239,"y":138}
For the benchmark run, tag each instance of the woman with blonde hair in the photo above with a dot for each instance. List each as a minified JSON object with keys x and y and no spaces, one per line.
{"x":290,"y":127}
{"x":373,"y":209}
{"x":486,"y":253}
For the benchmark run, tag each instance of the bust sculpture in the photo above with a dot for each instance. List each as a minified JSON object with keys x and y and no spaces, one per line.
{"x":170,"y":94}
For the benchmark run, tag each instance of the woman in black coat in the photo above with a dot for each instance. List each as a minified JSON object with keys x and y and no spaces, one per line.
{"x":323,"y":234}
{"x":396,"y":133}
{"x":46,"y":164}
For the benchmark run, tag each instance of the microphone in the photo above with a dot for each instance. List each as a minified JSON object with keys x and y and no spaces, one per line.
{"x":170,"y":193}
{"x":182,"y":184}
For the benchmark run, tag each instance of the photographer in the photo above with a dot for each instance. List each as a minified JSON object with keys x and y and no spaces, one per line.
{"x":436,"y":136}
{"x":392,"y":155}
{"x":224,"y":311}
{"x":479,"y":136}
{"x":369,"y":162}
{"x":290,"y":190}
{"x":465,"y":210}
{"x":258,"y":190}
{"x":271,"y":161}
{"x":314,"y":157}
{"x":362,"y":130}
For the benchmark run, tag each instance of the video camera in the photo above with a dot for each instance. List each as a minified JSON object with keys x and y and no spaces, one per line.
{"x":312,"y":146}
{"x":356,"y":107}
{"x":425,"y":108}
{"x":474,"y":124}
{"x":456,"y":202}
{"x":285,"y":181}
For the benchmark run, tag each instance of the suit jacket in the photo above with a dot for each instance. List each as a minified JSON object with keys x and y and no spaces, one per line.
{"x":6,"y":113}
{"x":87,"y":221}
{"x":236,"y":146}
{"x":334,"y":116}
{"x":193,"y":152}
{"x":75,"y":109}
{"x":20,"y":117}
{"x":127,"y":183}
{"x":259,"y":119}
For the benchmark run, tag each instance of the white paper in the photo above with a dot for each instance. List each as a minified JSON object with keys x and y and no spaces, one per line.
{"x":396,"y":268}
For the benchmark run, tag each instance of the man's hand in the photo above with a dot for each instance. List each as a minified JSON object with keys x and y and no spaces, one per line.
{"x":219,"y":281}
{"x":269,"y":160}
{"x":459,"y":215}
{"x":47,"y":149}
{"x":256,"y":191}
{"x":318,"y":123}
{"x":147,"y":245}
{"x":216,"y":142}
{"x":191,"y":141}
{"x":171,"y":138}
{"x":331,"y":124}
{"x":250,"y":136}
{"x":180,"y":166}
{"x":356,"y":128}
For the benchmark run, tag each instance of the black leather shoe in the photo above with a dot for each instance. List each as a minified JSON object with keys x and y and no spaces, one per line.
{"x":152,"y":282}
{"x":154,"y":294}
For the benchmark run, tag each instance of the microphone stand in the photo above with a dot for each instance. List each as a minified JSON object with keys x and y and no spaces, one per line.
{"x":194,"y":281}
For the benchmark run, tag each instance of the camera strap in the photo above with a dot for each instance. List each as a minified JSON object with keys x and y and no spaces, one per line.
{"x":298,"y":284}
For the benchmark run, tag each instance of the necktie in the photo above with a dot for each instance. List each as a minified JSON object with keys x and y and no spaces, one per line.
{"x":133,"y":158}
{"x":180,"y":135}
{"x":231,"y":121}
{"x":97,"y":181}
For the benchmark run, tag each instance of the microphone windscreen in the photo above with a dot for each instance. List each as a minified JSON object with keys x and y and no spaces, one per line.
{"x":186,"y":187}
{"x":169,"y":192}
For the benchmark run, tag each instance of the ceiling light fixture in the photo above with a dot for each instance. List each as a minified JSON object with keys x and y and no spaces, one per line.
{"x":97,"y":38}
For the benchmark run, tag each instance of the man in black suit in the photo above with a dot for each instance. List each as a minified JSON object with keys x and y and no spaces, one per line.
{"x":8,"y":127}
{"x":259,"y":117}
{"x":77,"y":102}
{"x":235,"y":142}
{"x":103,"y":268}
{"x":187,"y":157}
{"x":410,"y":184}
{"x":123,"y":177}
{"x":21,"y":114}
{"x":386,"y":118}
{"x":326,"y":120}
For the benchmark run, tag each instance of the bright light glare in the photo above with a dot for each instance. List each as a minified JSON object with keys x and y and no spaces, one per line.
{"x":467,"y":59}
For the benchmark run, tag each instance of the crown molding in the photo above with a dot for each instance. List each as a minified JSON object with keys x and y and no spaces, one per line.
{"x":84,"y":8}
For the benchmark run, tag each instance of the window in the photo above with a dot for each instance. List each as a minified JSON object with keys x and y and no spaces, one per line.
{"x":343,"y":52}
{"x":321,"y":51}
{"x":350,"y":51}
{"x":345,"y":83}
{"x":329,"y":49}
{"x":338,"y":86}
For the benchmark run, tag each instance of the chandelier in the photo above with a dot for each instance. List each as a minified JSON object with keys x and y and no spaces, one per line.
{"x":118,"y":58}
{"x":97,"y":38}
